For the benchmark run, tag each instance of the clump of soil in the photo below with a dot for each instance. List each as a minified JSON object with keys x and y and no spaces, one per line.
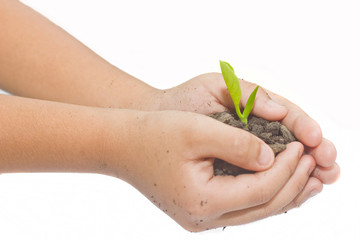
{"x":274,"y":134}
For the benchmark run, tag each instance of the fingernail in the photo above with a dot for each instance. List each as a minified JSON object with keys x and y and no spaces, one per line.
{"x":266,"y":155}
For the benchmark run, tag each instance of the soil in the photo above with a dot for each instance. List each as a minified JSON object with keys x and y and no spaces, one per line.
{"x":274,"y":134}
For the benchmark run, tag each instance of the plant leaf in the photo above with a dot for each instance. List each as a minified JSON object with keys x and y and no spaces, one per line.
{"x":232,"y":83}
{"x":250,"y":103}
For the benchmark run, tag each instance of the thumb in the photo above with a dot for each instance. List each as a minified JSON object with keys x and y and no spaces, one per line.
{"x":235,"y":146}
{"x":264,"y":105}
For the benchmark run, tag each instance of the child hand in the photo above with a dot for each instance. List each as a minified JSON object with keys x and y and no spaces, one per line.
{"x":208,"y":94}
{"x":169,"y":158}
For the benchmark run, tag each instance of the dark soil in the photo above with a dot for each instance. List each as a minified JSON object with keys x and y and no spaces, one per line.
{"x":274,"y":134}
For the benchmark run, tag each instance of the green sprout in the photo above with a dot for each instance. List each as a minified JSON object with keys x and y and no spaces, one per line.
{"x":233,"y":85}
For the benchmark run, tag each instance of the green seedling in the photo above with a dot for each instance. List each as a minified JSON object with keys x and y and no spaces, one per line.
{"x":233,"y":85}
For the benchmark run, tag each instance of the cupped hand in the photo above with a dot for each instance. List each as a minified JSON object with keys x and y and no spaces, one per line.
{"x":174,"y":169}
{"x":208,"y":94}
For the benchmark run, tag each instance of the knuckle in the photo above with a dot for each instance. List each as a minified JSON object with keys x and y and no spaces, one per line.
{"x":246,"y":147}
{"x":297,"y":146}
{"x":297,"y":123}
{"x":300,"y":186}
{"x":263,"y":92}
{"x":238,"y":146}
{"x":297,"y":203}
{"x":189,"y":128}
{"x":248,"y":88}
{"x":250,"y":85}
{"x":215,"y":75}
{"x":289,"y":169}
{"x":267,"y":212}
{"x":264,"y":195}
{"x":191,"y":133}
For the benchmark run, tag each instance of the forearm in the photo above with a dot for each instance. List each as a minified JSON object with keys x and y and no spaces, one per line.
{"x":40,"y":60}
{"x":38,"y":136}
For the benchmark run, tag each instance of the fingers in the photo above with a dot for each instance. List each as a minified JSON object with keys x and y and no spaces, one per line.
{"x":308,"y":132}
{"x":288,"y":193}
{"x":305,"y":129}
{"x":312,"y":188}
{"x":248,"y":190}
{"x":325,"y":154}
{"x":264,"y":106}
{"x":233,"y":145}
{"x":327,"y":175}
{"x":274,"y":107}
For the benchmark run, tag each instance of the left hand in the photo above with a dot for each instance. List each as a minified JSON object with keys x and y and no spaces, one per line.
{"x":207,"y":94}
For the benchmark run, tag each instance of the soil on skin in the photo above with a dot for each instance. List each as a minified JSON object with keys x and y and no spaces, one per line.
{"x":274,"y":134}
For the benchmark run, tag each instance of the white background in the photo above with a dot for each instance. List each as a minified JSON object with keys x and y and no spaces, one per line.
{"x":307,"y":51}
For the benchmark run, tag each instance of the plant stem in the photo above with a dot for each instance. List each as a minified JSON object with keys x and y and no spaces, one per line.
{"x":238,"y":112}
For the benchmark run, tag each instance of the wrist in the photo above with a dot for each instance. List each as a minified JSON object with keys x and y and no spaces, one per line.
{"x":150,"y":99}
{"x":120,"y":131}
{"x":127,"y":92}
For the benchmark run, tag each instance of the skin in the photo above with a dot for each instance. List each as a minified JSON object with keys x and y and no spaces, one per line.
{"x":207,"y":94}
{"x":175,"y":174}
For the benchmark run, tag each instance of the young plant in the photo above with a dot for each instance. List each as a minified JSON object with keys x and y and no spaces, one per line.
{"x":233,"y":85}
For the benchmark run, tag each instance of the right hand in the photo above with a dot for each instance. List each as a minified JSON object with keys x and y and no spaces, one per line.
{"x":168,"y":156}
{"x":208,"y":94}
